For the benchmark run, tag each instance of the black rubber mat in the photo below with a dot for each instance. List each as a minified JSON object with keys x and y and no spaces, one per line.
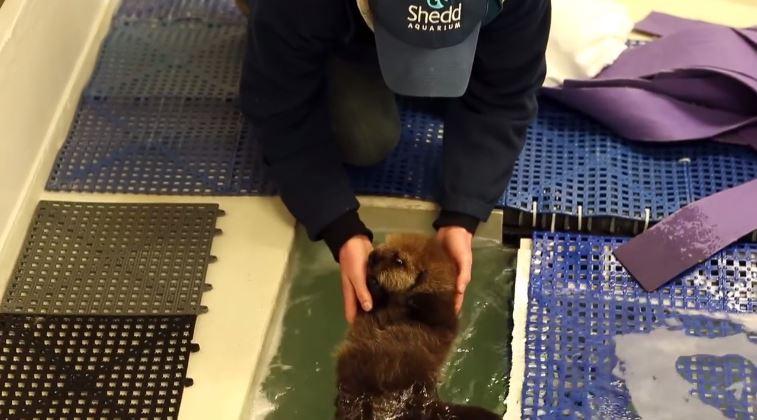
{"x":56,"y":367}
{"x":113,"y":259}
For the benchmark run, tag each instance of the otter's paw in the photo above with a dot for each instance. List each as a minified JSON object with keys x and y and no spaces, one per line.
{"x":432,"y":309}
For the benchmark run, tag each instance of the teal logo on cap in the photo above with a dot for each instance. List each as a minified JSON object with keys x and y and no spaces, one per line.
{"x":421,"y":19}
{"x":437,"y":4}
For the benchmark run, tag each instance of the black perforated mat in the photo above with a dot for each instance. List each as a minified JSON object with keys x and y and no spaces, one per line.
{"x":56,"y":367}
{"x":113,"y":259}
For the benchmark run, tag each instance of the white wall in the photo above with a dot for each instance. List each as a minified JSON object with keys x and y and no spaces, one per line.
{"x":45,"y":48}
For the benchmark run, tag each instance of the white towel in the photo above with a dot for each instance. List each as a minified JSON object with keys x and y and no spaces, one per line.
{"x":586,"y":36}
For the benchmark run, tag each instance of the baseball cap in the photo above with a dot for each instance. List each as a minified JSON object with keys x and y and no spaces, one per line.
{"x":425,"y":47}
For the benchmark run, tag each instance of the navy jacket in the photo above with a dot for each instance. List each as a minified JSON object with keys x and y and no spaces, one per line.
{"x":283,"y":95}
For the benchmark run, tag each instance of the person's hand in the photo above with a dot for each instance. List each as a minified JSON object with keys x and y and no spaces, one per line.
{"x":459,"y":244}
{"x":353,"y":263}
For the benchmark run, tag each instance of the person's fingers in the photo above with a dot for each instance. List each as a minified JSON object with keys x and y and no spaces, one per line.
{"x":459,"y":302}
{"x":463,"y":279}
{"x":356,"y":276}
{"x":350,"y":302}
{"x":464,"y":276}
{"x":361,"y":290}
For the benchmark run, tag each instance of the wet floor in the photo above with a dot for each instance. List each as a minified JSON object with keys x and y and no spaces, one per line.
{"x":300,"y":381}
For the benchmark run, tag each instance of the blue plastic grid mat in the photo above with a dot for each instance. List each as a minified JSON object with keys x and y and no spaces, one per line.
{"x":158,"y":146}
{"x":711,"y":374}
{"x":180,"y":59}
{"x":570,"y":160}
{"x":581,"y":300}
{"x":413,"y":168}
{"x":211,"y":11}
{"x":721,"y":165}
{"x":164,"y":145}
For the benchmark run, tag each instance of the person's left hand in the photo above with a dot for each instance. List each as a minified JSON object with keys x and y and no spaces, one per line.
{"x":459,"y":244}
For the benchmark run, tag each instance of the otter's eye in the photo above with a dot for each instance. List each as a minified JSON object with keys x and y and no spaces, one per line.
{"x":399,"y":262}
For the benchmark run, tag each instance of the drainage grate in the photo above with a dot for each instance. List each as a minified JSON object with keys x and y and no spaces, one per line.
{"x":113,"y":259}
{"x":582,"y":302}
{"x":180,"y":59}
{"x":93,"y":367}
{"x":159,"y":146}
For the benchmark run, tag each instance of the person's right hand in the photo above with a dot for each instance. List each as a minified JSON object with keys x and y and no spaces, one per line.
{"x":353,"y":263}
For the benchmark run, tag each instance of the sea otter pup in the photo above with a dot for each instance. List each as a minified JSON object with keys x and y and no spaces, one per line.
{"x":388,"y":365}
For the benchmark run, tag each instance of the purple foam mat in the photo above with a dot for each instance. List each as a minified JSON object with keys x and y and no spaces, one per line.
{"x":690,"y":235}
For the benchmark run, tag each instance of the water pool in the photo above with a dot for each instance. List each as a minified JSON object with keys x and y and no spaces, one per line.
{"x":298,"y":379}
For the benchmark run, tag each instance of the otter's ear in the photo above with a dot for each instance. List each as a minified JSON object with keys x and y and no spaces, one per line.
{"x":421,"y":277}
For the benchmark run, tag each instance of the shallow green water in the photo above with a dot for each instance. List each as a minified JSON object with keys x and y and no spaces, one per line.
{"x":301,"y":382}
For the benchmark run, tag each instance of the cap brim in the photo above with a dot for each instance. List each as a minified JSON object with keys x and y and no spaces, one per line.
{"x":415,"y":71}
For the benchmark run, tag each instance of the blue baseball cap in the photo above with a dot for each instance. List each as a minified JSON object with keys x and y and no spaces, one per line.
{"x":426,"y":47}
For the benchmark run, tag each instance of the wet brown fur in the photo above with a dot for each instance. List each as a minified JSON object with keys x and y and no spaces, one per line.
{"x":392,"y":355}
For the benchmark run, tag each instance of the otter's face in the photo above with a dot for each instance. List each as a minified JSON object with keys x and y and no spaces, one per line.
{"x":408,"y":264}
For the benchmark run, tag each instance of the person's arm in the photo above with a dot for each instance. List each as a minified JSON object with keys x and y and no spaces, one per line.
{"x":283,"y":95}
{"x":485,"y":129}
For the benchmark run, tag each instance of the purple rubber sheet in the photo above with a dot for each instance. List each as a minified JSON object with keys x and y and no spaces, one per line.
{"x":690,"y":235}
{"x":699,"y":81}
